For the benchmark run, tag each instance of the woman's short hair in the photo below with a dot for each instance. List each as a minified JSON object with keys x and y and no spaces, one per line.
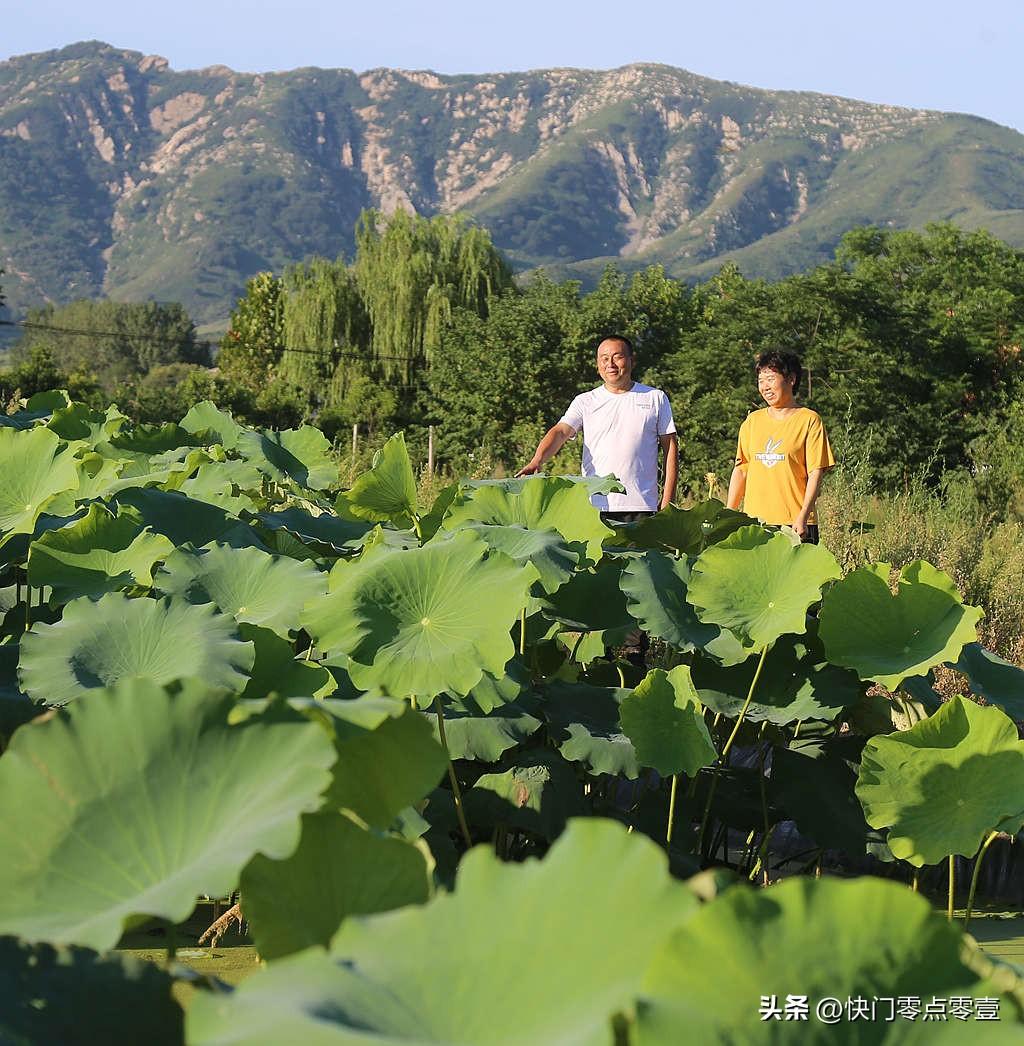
{"x":784,"y":363}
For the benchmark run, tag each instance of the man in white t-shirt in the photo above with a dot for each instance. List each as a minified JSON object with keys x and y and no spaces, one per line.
{"x":624,"y":424}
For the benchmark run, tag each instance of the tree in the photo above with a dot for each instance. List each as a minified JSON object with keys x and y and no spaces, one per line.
{"x":254,"y":341}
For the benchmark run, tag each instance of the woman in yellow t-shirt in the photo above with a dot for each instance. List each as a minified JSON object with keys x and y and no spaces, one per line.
{"x":782,"y":452}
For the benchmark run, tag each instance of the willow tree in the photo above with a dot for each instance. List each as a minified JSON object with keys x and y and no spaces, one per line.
{"x":324,"y":327}
{"x":413,"y":271}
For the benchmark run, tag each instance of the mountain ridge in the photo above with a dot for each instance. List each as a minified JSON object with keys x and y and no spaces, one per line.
{"x":124,"y":177}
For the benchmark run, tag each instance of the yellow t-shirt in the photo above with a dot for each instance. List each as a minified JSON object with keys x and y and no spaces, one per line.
{"x":777,"y":455}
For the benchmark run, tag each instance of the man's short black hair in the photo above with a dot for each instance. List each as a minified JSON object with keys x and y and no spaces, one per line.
{"x":784,"y":363}
{"x":621,"y":339}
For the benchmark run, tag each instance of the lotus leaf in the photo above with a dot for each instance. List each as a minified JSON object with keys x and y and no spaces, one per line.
{"x":999,"y":682}
{"x":545,"y":549}
{"x":35,"y":469}
{"x":542,"y":503}
{"x":942,"y":785}
{"x":425,"y":621}
{"x":588,"y":729}
{"x":515,"y":484}
{"x":817,"y":938}
{"x":74,"y":997}
{"x":441,"y":973}
{"x":339,"y":870}
{"x":247,"y":583}
{"x":277,"y":670}
{"x":388,"y":489}
{"x":207,"y":417}
{"x":340,"y":535}
{"x":591,"y":601}
{"x":96,"y":644}
{"x":886,"y":638}
{"x":472,"y":735}
{"x":155,"y":439}
{"x":690,"y":530}
{"x":302,"y":455}
{"x":795,"y":684}
{"x":185,"y":520}
{"x":655,"y":590}
{"x":137,"y":800}
{"x":664,"y":719}
{"x":491,"y":692}
{"x":101,"y":552}
{"x":817,"y":791}
{"x":221,"y":483}
{"x":78,"y":422}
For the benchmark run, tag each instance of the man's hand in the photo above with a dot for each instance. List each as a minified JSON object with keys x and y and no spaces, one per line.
{"x":800,"y":525}
{"x":550,"y":444}
{"x":529,"y":470}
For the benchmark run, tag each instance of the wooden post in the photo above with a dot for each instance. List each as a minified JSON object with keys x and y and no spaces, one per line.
{"x":355,"y":437}
{"x":430,"y":449}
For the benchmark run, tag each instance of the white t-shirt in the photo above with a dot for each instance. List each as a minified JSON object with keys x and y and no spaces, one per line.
{"x":620,"y":436}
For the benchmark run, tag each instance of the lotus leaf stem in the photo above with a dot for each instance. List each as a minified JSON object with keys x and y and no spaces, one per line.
{"x":913,"y":882}
{"x":417,"y":528}
{"x":522,"y":631}
{"x":974,"y":877}
{"x":576,"y":645}
{"x":622,"y":678}
{"x":671,"y":810}
{"x":456,"y":790}
{"x":952,"y":887}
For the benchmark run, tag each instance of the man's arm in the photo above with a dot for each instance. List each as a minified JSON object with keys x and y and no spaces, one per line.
{"x":814,"y":478}
{"x":551,"y":443}
{"x":737,"y":487}
{"x":670,"y":445}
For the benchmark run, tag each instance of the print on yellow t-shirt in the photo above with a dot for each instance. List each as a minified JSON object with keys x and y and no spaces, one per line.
{"x":777,"y":454}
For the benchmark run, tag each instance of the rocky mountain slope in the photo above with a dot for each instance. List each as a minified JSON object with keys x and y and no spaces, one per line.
{"x":121,"y":176}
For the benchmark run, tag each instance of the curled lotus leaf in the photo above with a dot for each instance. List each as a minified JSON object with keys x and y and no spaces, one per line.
{"x":886,"y":638}
{"x":338,"y":534}
{"x":592,"y":601}
{"x":485,"y":736}
{"x":208,"y":417}
{"x":586,"y":726}
{"x":425,"y":621}
{"x":278,"y":670}
{"x":155,"y":439}
{"x":942,"y":785}
{"x":94,"y":645}
{"x":135,"y":802}
{"x":220,"y":483}
{"x":686,"y":530}
{"x":101,"y":552}
{"x":36,"y":467}
{"x":301,"y":455}
{"x":74,"y":997}
{"x":387,"y":490}
{"x":541,"y":503}
{"x":759,"y":585}
{"x":185,"y":520}
{"x":664,"y":719}
{"x":807,"y":937}
{"x":247,"y":583}
{"x":996,"y":680}
{"x":79,"y":422}
{"x":389,"y":977}
{"x":655,"y":587}
{"x":547,"y":550}
{"x":515,"y":484}
{"x":492,"y":692}
{"x":339,"y":870}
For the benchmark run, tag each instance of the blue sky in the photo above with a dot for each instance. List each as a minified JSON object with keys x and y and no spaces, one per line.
{"x":962,"y":57}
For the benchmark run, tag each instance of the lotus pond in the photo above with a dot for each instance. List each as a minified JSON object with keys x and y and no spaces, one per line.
{"x":398,"y":737}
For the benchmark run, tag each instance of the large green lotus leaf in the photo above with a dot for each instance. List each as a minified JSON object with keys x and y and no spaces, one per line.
{"x":35,"y":469}
{"x":387,"y":756}
{"x":39,"y":406}
{"x":341,"y":535}
{"x":302,"y":455}
{"x":183,"y":519}
{"x":101,"y":552}
{"x":428,"y":620}
{"x":96,"y":476}
{"x":538,"y":793}
{"x":276,"y":669}
{"x":587,"y":728}
{"x":388,"y":489}
{"x":886,"y":638}
{"x":95,"y":645}
{"x":514,"y":955}
{"x":74,"y":997}
{"x":942,"y":785}
{"x":155,"y":439}
{"x":79,"y":422}
{"x":998,"y":681}
{"x":207,"y":417}
{"x":138,"y":800}
{"x":339,"y":870}
{"x":655,"y":589}
{"x":493,"y":692}
{"x":592,"y":601}
{"x":221,"y":483}
{"x":687,"y":530}
{"x":542,"y":503}
{"x":664,"y":719}
{"x":516,"y":484}
{"x":795,"y":684}
{"x":759,"y":585}
{"x":816,"y":790}
{"x":483,"y":736}
{"x":247,"y":583}
{"x":545,"y":549}
{"x":809,"y":937}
